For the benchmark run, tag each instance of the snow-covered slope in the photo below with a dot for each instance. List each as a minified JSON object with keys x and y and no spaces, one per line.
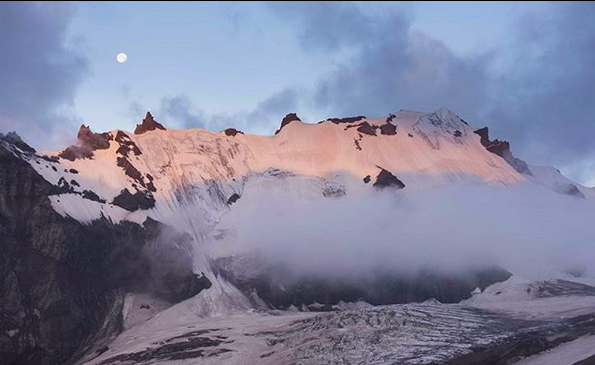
{"x":416,"y":333}
{"x":188,"y":179}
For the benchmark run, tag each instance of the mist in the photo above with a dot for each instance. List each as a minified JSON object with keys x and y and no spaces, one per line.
{"x":527,"y":230}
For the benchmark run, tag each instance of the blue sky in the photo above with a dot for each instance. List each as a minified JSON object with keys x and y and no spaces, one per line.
{"x":229,"y":57}
{"x":522,"y":68}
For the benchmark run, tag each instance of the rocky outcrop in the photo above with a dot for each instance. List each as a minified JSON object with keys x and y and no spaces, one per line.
{"x":126,"y":145}
{"x":291,"y":117}
{"x":386,"y":178}
{"x":377,"y":288}
{"x":388,"y":129}
{"x":232,"y":132}
{"x":61,"y":282}
{"x":94,"y":141}
{"x":133,"y":202}
{"x":347,"y":120}
{"x":367,"y":128}
{"x":502,"y":149}
{"x":88,"y":142}
{"x":232,"y":199}
{"x":148,"y":124}
{"x":74,"y":152}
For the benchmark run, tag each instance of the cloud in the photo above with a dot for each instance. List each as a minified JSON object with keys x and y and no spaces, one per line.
{"x":180,"y":108}
{"x":389,"y":66}
{"x":39,"y":73}
{"x":449,"y":229}
{"x":262,"y":119}
{"x":545,"y":97}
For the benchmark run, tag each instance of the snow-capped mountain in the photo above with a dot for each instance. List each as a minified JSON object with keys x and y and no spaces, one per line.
{"x":165,"y":202}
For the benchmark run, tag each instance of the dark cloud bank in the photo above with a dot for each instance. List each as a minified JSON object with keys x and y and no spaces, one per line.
{"x":39,"y":73}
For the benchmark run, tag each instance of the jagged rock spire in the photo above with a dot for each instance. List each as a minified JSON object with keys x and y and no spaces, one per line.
{"x":148,"y":124}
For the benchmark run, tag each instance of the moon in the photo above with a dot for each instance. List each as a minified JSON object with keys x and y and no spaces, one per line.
{"x":122,"y":57}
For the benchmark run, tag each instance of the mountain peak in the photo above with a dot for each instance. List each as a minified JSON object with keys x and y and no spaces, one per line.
{"x":93,"y":140}
{"x":291,"y":117}
{"x":15,"y":139}
{"x":148,"y":124}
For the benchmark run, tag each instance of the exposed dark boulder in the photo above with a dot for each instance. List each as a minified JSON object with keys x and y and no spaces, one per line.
{"x":233,"y":198}
{"x":367,"y":179}
{"x":367,"y":128}
{"x":388,"y":129}
{"x":133,"y":202}
{"x":386,"y":178}
{"x":148,"y":124}
{"x":291,"y":117}
{"x":73,"y":171}
{"x":232,"y":131}
{"x":457,"y":133}
{"x":346,"y":120}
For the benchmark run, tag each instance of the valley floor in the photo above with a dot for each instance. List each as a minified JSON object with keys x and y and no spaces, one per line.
{"x":505,"y":324}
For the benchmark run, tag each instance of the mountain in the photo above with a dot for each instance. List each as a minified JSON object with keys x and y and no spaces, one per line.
{"x":106,"y":234}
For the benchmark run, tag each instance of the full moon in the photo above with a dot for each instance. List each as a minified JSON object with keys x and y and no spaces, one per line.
{"x":121,"y":57}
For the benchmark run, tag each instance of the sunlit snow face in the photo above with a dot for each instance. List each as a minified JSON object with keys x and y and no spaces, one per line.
{"x":122,"y":57}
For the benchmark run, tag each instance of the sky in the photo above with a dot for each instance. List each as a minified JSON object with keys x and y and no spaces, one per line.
{"x":522,"y":68}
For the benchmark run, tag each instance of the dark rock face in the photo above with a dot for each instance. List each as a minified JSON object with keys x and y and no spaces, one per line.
{"x":457,"y":133}
{"x":286,"y":120}
{"x":502,"y":149}
{"x":367,"y":128}
{"x":88,"y":194}
{"x":346,"y":120}
{"x":233,"y":198}
{"x":148,"y":124}
{"x":61,"y":282}
{"x":377,"y":288}
{"x":232,"y":131}
{"x":386,"y":178}
{"x":136,"y":175}
{"x":179,"y":286}
{"x":388,"y":129}
{"x":133,"y":202}
{"x":15,"y":139}
{"x":126,"y":145}
{"x":367,"y":179}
